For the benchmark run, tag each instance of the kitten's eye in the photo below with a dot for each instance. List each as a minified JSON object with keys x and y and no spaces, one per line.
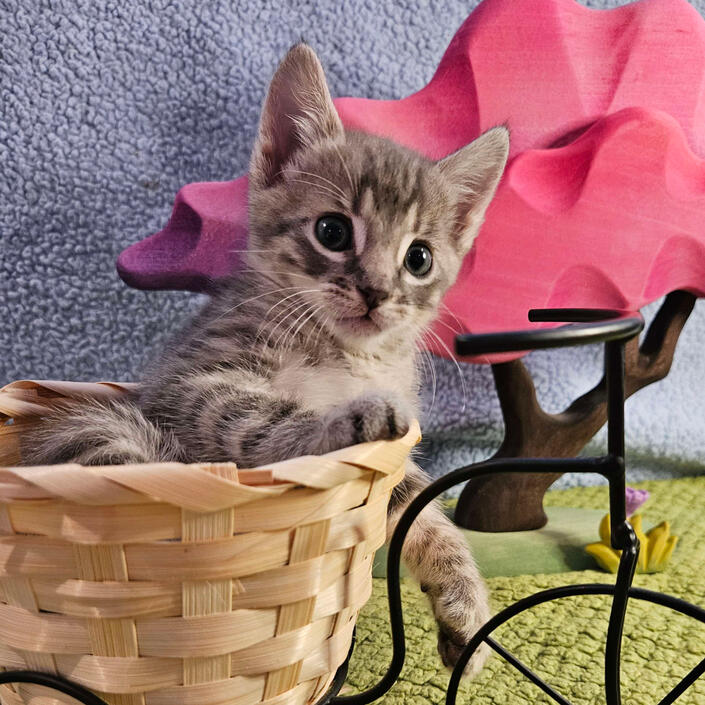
{"x":418,"y":259}
{"x":334,"y":232}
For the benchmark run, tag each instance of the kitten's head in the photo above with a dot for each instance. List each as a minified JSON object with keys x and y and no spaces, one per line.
{"x":370,"y":232}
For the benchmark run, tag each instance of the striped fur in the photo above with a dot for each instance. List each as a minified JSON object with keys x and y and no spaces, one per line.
{"x":309,"y":350}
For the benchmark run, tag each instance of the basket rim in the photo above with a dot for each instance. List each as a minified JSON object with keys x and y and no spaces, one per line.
{"x":195,"y":486}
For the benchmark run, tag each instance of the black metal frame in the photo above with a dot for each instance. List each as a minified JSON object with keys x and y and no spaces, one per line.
{"x":613,"y":328}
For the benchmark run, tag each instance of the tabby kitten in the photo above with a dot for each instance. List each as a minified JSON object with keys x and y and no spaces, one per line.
{"x":354,"y":240}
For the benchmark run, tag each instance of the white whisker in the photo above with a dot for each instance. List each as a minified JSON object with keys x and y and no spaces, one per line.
{"x":316,"y":176}
{"x":281,"y":315}
{"x":457,"y":320}
{"x":449,"y":327}
{"x":253,"y":298}
{"x":286,"y":335}
{"x":296,"y":293}
{"x":264,"y":273}
{"x":319,"y":187}
{"x":323,"y":324}
{"x":283,"y":312}
{"x":347,"y":171}
{"x":457,"y":366}
{"x":316,"y":325}
{"x":303,"y":323}
{"x":288,"y":310}
{"x":427,"y":357}
{"x":251,"y":250}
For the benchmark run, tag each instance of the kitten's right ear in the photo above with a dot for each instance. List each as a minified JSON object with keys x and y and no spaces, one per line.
{"x":297,"y":113}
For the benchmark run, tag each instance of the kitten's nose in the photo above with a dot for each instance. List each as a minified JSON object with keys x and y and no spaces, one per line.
{"x":372,"y":297}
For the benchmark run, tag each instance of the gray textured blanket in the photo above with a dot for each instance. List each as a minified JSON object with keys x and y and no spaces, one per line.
{"x":107,"y":108}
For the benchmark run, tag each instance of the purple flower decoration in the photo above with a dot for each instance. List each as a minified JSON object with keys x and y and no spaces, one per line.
{"x":635,"y":499}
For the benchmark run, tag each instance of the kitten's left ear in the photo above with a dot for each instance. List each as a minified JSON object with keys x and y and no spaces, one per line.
{"x":475,"y":170}
{"x":297,"y":113}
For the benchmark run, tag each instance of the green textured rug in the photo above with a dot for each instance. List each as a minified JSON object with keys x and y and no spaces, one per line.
{"x":562,"y":641}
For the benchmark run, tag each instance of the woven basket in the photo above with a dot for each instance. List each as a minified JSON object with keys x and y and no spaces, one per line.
{"x":170,"y":584}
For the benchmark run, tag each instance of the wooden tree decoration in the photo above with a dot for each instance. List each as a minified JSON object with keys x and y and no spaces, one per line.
{"x":515,"y":502}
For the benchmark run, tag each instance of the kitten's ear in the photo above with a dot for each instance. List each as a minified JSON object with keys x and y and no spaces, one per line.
{"x":297,"y":112}
{"x":475,"y":170}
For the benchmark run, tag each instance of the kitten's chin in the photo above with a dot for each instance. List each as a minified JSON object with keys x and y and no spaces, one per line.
{"x":367,"y":332}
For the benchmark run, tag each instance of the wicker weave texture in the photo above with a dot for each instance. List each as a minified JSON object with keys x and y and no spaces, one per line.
{"x":174,"y":584}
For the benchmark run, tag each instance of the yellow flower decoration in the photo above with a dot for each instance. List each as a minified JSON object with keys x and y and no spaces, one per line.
{"x":656,"y":546}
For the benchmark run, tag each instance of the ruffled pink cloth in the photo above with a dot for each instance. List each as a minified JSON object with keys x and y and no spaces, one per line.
{"x":603,"y":201}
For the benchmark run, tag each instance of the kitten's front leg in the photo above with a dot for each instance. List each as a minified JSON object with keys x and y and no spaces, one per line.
{"x":254,"y":426}
{"x":438,"y":557}
{"x":290,"y":430}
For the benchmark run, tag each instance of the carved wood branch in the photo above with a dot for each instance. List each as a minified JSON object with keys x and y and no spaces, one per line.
{"x":506,"y":502}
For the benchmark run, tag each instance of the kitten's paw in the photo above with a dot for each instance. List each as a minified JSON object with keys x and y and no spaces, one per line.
{"x":372,"y":417}
{"x":461,"y":609}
